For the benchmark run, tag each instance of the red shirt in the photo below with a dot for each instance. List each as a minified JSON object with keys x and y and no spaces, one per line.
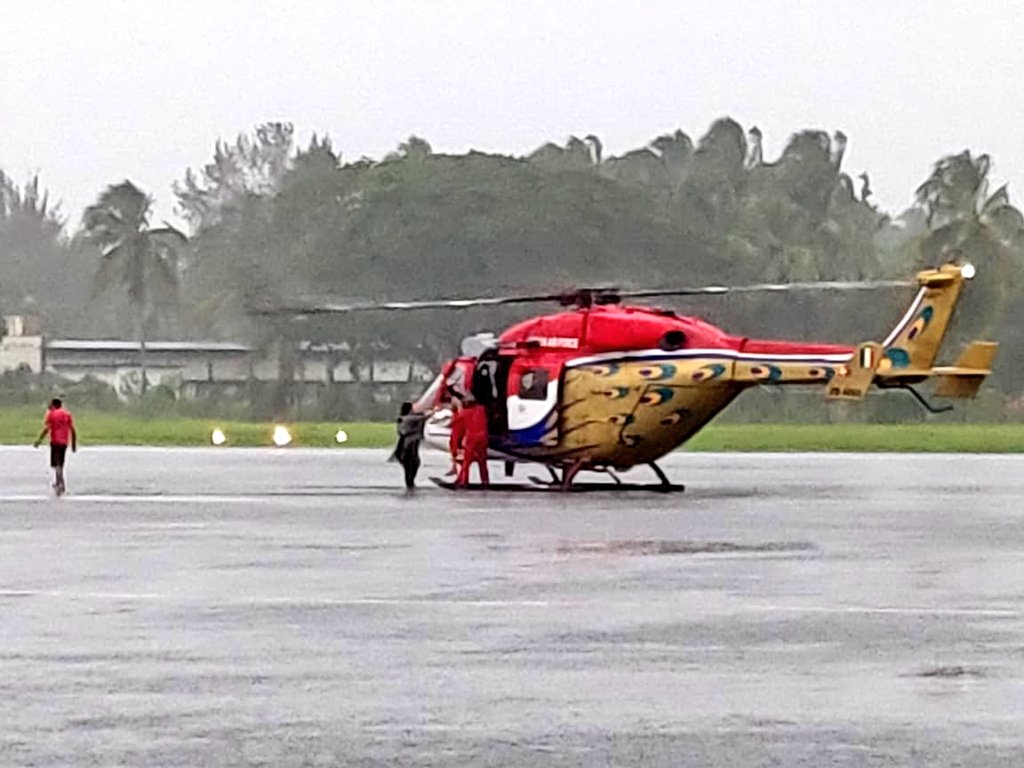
{"x":60,"y":423}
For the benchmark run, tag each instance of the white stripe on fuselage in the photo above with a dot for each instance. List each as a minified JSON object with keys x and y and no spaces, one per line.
{"x":726,"y":354}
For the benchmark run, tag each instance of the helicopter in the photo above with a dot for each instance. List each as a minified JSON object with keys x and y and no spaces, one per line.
{"x":606,"y":386}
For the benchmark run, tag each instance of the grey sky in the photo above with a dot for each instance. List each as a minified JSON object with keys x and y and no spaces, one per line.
{"x":94,"y":92}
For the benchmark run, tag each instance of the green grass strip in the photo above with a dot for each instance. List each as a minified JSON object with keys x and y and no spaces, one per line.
{"x":21,"y":425}
{"x":900,"y":438}
{"x":99,"y":428}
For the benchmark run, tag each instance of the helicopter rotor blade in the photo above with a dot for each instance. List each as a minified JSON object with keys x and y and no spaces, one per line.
{"x":565,"y":298}
{"x":328,"y":308}
{"x":580,"y":296}
{"x":817,"y":285}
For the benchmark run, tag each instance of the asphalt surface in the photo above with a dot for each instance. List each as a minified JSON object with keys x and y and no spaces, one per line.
{"x":295,"y":608}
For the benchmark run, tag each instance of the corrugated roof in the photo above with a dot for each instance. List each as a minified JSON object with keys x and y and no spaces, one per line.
{"x":106,"y":345}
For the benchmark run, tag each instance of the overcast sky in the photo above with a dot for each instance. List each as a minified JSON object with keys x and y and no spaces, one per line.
{"x":92,"y":92}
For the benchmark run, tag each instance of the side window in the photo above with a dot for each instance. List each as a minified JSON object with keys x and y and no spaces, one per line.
{"x":533,"y":384}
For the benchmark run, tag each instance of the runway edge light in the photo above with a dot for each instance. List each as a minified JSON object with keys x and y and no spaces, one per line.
{"x":281,"y":436}
{"x":341,"y":437}
{"x":217,"y":437}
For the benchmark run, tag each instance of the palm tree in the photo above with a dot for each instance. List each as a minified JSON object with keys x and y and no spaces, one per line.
{"x":142,"y":259}
{"x":710,"y":195}
{"x":675,"y":151}
{"x":962,"y":216}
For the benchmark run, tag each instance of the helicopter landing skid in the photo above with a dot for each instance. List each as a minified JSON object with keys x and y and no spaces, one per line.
{"x":540,"y":485}
{"x":546,"y":485}
{"x":567,"y":481}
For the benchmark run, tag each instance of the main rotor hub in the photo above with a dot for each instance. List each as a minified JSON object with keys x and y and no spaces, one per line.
{"x":584,"y":298}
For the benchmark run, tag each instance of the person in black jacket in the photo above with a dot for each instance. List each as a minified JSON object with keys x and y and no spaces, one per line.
{"x":410,"y":434}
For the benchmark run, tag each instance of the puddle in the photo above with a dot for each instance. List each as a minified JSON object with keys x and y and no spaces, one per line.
{"x":678,"y":547}
{"x":951,"y":672}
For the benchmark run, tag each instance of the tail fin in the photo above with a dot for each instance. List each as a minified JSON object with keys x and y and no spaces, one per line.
{"x":908,"y":352}
{"x":912,"y":346}
{"x":965,"y":378}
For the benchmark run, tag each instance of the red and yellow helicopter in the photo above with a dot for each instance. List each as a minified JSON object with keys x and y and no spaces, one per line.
{"x":606,"y":386}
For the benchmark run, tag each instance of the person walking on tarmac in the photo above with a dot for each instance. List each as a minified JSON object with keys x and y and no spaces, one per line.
{"x":474,"y":443}
{"x":410,"y":435}
{"x":61,"y":427}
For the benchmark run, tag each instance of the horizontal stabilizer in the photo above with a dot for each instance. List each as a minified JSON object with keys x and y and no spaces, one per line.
{"x":964,"y":379}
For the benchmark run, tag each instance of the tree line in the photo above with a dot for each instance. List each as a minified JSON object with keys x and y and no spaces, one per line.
{"x":271,"y":219}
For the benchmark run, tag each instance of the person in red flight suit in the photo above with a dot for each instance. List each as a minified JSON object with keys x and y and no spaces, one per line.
{"x":458,"y":433}
{"x":474,"y":443}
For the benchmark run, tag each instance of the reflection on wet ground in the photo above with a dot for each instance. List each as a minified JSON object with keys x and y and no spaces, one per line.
{"x":295,"y":608}
{"x":654,"y":547}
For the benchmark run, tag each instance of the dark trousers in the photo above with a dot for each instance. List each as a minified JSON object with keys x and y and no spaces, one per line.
{"x":411,"y":465}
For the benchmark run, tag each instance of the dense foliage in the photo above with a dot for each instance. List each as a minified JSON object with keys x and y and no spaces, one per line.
{"x":272,"y":220}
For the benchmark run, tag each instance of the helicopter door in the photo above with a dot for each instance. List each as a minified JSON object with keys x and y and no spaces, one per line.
{"x":532,"y":403}
{"x":490,"y":379}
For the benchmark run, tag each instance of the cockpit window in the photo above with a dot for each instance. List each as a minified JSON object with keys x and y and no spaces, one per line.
{"x":533,"y":384}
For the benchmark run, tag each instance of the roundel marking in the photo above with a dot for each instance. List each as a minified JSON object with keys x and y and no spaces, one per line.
{"x":675,"y":417}
{"x":657,"y":396}
{"x":708,"y":372}
{"x":608,"y":369}
{"x":766,"y":372}
{"x":899,"y":358}
{"x":616,"y":393}
{"x":823,"y":373}
{"x":621,"y":418}
{"x":658,"y":372}
{"x":921,"y":322}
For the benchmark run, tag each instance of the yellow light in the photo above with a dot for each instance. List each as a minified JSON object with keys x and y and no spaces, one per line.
{"x":282,"y":436}
{"x":341,"y":437}
{"x":217,"y":437}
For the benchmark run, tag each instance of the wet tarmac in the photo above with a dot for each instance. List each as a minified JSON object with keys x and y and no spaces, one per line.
{"x":295,"y":608}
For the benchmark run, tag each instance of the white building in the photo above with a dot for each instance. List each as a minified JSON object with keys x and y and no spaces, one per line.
{"x":189,"y":368}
